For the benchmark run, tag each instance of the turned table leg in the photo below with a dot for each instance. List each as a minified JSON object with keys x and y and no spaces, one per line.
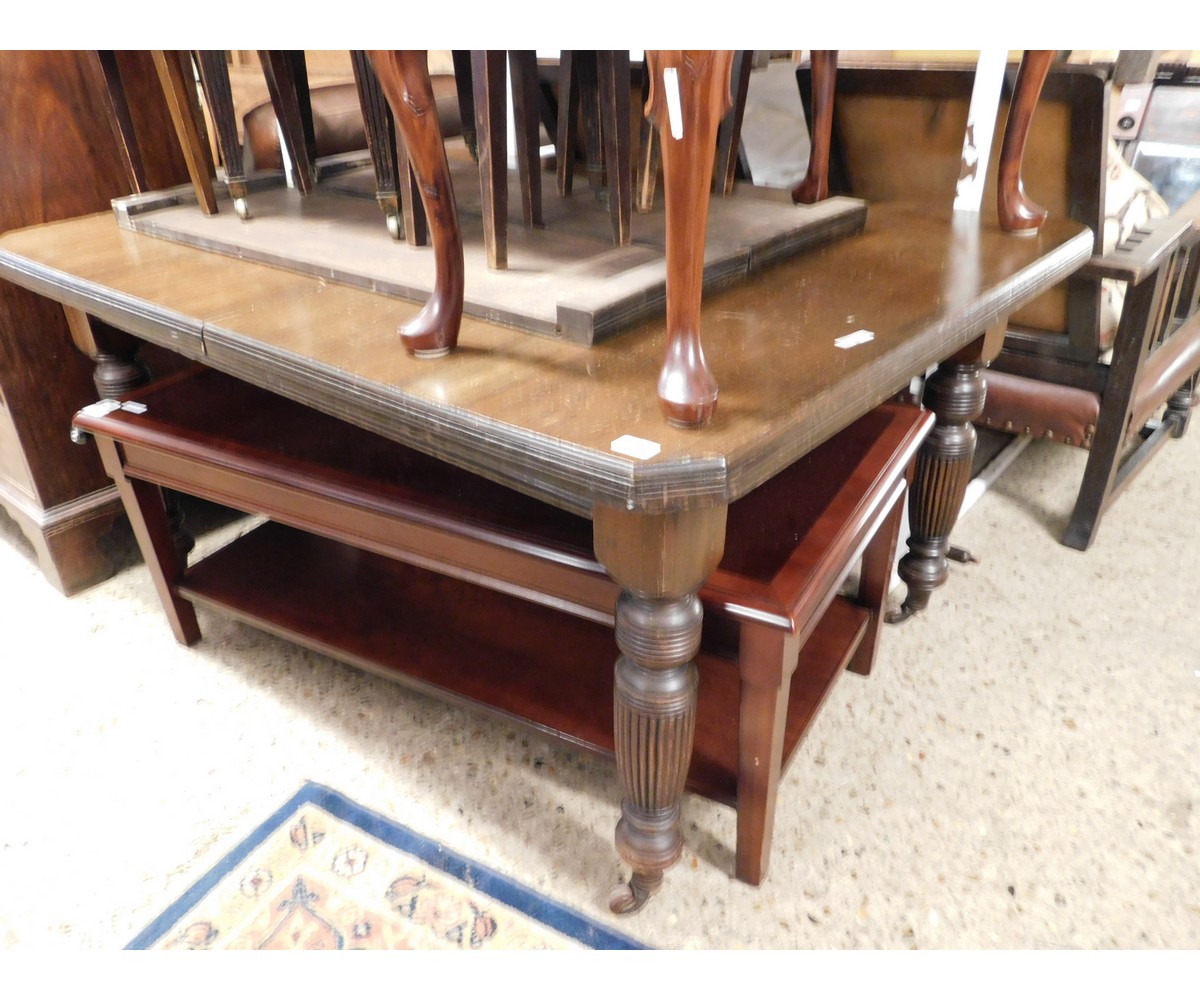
{"x":815,"y":185}
{"x":1018,"y":214}
{"x":955,"y":393}
{"x":119,"y":371}
{"x":404,"y":77}
{"x":660,"y":561}
{"x":689,"y":94}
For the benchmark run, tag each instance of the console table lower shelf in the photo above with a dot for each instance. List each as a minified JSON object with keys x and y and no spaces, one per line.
{"x":484,"y":648}
{"x":410,"y":568}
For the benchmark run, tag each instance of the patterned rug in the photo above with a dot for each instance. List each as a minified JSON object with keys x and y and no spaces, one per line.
{"x":323,"y":873}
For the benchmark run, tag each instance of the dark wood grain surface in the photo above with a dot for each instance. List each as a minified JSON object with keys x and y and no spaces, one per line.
{"x":541,"y":415}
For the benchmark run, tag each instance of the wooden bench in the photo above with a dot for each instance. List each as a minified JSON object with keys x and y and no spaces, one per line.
{"x":411,"y":568}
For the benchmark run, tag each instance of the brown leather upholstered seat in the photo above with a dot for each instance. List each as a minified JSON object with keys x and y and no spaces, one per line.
{"x":337,"y":122}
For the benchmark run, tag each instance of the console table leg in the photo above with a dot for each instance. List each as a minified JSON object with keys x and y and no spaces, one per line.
{"x":955,"y":393}
{"x":767,"y":658}
{"x":404,"y":78}
{"x":660,"y":560}
{"x":875,"y":583}
{"x":145,"y":505}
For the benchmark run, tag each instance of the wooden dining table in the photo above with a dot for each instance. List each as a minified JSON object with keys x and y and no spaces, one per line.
{"x":801,"y":348}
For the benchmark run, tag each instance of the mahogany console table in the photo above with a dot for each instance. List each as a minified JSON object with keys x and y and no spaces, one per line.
{"x":564,"y":424}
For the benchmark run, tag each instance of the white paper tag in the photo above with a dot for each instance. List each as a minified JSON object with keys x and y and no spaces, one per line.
{"x":635,"y":447}
{"x":133,"y":407}
{"x":854,"y":339}
{"x":101,"y":408}
{"x":674,"y":108}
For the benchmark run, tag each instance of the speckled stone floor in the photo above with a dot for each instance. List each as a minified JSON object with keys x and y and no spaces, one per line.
{"x":1021,"y":770}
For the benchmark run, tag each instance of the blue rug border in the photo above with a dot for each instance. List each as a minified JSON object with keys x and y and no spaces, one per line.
{"x":494,"y":884}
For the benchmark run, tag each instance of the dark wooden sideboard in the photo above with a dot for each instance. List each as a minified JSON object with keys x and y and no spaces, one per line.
{"x":62,"y":159}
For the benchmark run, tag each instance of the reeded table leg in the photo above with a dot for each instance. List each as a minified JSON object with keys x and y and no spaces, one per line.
{"x":815,"y":185}
{"x":955,"y":393}
{"x":585,"y":65}
{"x":1018,"y":214}
{"x":660,"y":561}
{"x":689,"y":94}
{"x":404,"y":77}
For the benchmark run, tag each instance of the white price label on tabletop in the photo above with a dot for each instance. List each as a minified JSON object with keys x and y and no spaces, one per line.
{"x":635,"y":447}
{"x":854,"y":339}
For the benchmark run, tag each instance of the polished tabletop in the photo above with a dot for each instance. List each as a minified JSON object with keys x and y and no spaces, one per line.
{"x":542,"y":415}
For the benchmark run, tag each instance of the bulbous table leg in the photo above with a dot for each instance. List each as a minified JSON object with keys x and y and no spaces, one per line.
{"x":404,"y":78}
{"x":660,"y":560}
{"x":955,"y":393}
